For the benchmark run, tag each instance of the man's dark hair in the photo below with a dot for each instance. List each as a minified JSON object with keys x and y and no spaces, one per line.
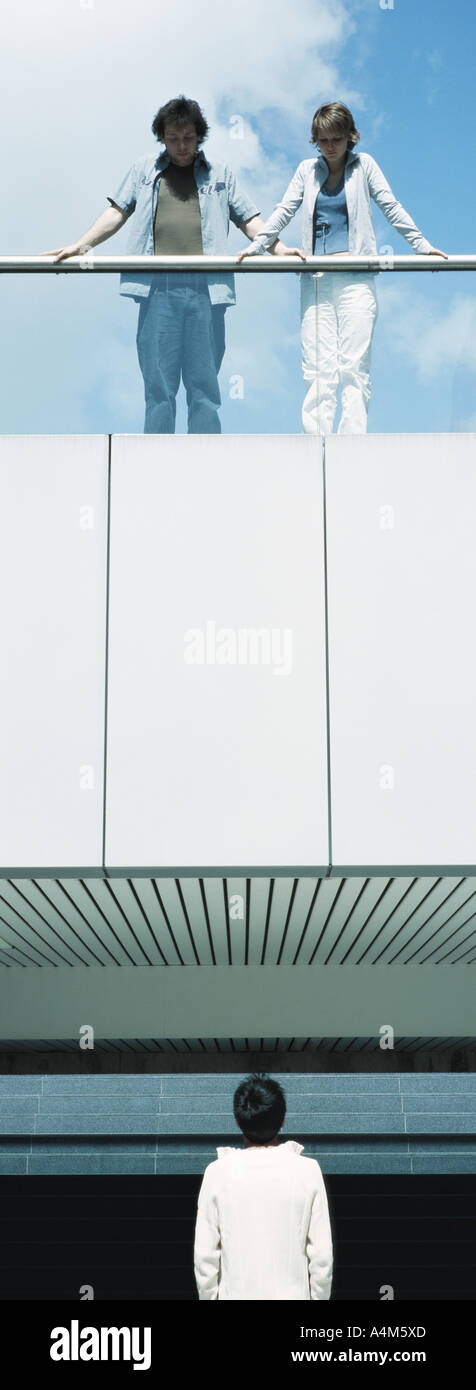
{"x":182,"y":111}
{"x":259,"y":1106}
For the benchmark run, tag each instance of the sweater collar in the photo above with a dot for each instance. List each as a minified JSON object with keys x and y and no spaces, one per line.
{"x":290,"y":1146}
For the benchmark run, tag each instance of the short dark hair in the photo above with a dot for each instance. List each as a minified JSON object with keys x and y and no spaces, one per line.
{"x":335,"y":116}
{"x":259,"y":1106}
{"x":182,"y":111}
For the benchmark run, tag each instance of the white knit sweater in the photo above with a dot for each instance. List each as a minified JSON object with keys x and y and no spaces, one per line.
{"x":263,"y":1229}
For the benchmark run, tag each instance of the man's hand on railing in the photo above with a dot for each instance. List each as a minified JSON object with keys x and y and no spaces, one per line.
{"x":61,"y":252}
{"x":105,"y":226}
{"x":434,"y":252}
{"x":280,"y":250}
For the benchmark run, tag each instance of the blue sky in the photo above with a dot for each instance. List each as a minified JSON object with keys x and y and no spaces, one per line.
{"x":78,"y":101}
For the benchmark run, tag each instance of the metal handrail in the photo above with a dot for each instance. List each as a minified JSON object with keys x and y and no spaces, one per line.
{"x":90,"y":261}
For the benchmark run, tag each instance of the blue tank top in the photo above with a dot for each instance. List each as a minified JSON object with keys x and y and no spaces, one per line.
{"x":331,"y":224}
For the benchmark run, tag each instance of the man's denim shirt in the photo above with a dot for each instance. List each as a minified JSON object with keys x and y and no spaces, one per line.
{"x":220,"y":199}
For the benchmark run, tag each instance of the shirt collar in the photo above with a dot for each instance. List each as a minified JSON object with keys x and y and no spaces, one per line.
{"x":163,"y":160}
{"x":352,"y":154}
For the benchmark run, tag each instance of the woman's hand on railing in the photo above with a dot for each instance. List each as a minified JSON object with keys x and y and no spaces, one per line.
{"x":434,"y":252}
{"x":282,"y":251}
{"x":61,"y":252}
{"x":241,"y":255}
{"x":279,"y":249}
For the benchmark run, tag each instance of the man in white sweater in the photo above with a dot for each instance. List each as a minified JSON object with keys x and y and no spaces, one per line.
{"x":263,"y":1229}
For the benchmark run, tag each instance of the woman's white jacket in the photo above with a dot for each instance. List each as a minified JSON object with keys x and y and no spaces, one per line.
{"x":262,"y":1229}
{"x":363,"y":180}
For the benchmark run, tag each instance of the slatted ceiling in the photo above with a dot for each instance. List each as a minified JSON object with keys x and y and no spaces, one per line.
{"x":26,"y":930}
{"x":97,"y":903}
{"x":119,"y":916}
{"x":445,"y":947}
{"x":260,"y":893}
{"x":175,"y":918}
{"x":204,"y":901}
{"x":302,"y":933}
{"x":76,"y":903}
{"x":366,"y":944}
{"x":279,"y":906}
{"x":342,"y":936}
{"x":412,"y":906}
{"x":150,"y":922}
{"x":12,"y":954}
{"x":465,"y":957}
{"x":325,"y":923}
{"x":54,"y":921}
{"x":263,"y":929}
{"x":293,"y":921}
{"x":54,"y":905}
{"x":326,"y":920}
{"x":247,"y":920}
{"x":214,"y":890}
{"x":379,"y":925}
{"x":438,"y":907}
{"x":406,"y":923}
{"x":430,"y":933}
{"x":173,"y":932}
{"x":239,"y":927}
{"x":195,"y":909}
{"x":195,"y":1047}
{"x":369,"y":906}
{"x":165,"y":922}
{"x":141,"y":939}
{"x":301,"y":898}
{"x":93,"y":907}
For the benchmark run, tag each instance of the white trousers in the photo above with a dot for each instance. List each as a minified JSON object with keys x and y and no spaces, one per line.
{"x":338,"y":313}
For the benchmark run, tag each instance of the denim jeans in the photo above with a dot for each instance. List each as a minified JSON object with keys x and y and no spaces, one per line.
{"x":180,"y":333}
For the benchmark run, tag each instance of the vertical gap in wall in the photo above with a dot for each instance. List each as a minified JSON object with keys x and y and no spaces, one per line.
{"x":106,"y":661}
{"x":326,"y":637}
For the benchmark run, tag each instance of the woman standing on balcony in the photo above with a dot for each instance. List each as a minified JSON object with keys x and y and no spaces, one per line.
{"x":338,"y":315}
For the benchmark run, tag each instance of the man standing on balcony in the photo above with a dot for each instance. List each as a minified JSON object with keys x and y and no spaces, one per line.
{"x":182,"y":206}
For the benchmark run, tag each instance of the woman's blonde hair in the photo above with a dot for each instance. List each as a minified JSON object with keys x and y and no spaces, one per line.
{"x":335,"y":116}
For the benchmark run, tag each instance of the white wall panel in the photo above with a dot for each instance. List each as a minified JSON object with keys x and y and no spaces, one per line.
{"x":220,"y":762}
{"x":401,"y":521}
{"x":53,"y":512}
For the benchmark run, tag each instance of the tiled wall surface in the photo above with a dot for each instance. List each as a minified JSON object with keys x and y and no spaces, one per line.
{"x":171,"y":1124}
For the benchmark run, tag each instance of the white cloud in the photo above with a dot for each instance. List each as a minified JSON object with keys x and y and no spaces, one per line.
{"x":79,"y":97}
{"x":434,"y":336}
